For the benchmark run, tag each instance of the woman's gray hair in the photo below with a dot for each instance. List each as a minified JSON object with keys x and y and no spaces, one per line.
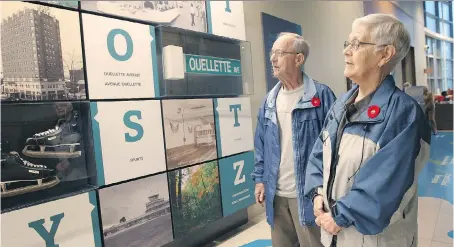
{"x":299,"y":44}
{"x":385,"y":30}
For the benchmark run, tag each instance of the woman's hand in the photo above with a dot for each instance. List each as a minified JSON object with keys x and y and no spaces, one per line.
{"x":327,"y":222}
{"x":318,"y":205}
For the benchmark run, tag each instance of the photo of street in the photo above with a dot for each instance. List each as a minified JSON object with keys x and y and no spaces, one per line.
{"x":41,"y":53}
{"x":189,"y":131}
{"x":137,"y":213}
{"x":189,"y":15}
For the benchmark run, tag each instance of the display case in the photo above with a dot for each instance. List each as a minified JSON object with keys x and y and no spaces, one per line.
{"x":200,"y":64}
{"x":46,"y":151}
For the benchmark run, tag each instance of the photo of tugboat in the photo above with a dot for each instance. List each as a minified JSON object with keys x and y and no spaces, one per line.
{"x":137,"y":213}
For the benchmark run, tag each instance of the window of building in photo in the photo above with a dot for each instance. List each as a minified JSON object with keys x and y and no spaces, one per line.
{"x":438,"y":20}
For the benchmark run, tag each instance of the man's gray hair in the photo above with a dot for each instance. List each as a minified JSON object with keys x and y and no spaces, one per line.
{"x":385,"y":29}
{"x":299,"y":44}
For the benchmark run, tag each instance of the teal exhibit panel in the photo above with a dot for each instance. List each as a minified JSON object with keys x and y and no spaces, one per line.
{"x":41,"y":53}
{"x":189,"y":131}
{"x":195,"y":197}
{"x":46,"y":152}
{"x":198,"y":64}
{"x":233,"y":125}
{"x":68,"y":222}
{"x":189,"y":15}
{"x":136,"y":213}
{"x":237,"y":186}
{"x":120,"y":58}
{"x":226,"y":18}
{"x":128,"y":139}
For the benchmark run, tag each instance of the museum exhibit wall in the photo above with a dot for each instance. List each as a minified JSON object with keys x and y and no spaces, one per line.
{"x":123,"y":123}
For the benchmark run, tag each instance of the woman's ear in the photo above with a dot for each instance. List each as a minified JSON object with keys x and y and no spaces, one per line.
{"x":387,"y":54}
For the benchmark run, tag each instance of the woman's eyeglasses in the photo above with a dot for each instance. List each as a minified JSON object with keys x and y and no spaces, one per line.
{"x":355,"y":44}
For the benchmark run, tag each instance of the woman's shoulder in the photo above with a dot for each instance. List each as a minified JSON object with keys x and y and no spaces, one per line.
{"x":406,"y":106}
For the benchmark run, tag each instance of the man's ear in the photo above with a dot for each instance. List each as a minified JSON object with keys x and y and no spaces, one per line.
{"x":300,"y":59}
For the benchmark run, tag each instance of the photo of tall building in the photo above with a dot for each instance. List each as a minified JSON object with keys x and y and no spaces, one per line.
{"x":35,"y":63}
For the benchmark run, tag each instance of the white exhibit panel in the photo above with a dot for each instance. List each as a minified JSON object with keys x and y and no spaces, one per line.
{"x":226,"y":18}
{"x":233,"y":125}
{"x":68,"y":222}
{"x":128,"y":139}
{"x":120,"y":57}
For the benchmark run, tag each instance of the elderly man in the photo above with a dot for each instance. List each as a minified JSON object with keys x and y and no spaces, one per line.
{"x":362,"y":173}
{"x":289,"y":122}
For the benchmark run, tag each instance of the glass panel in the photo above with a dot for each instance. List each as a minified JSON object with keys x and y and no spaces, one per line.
{"x":429,"y":44}
{"x":431,"y":65}
{"x":440,"y":85}
{"x":445,"y":11}
{"x":439,"y":70}
{"x":430,"y":7}
{"x":449,"y":50}
{"x":449,"y":84}
{"x":449,"y":69}
{"x":447,"y":29}
{"x":432,"y":85}
{"x":436,"y":47}
{"x":431,"y":24}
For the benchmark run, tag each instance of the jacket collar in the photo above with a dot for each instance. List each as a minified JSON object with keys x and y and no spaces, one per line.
{"x":380,"y":99}
{"x":309,"y":91}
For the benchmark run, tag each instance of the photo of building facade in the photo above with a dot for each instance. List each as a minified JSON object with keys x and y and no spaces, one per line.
{"x":34,"y":61}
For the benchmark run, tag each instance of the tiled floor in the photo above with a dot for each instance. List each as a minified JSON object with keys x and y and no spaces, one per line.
{"x":435,"y":212}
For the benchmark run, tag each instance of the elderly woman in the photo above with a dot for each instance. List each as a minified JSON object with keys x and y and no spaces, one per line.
{"x":362,"y":173}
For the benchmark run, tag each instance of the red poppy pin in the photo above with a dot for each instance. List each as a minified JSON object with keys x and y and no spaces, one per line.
{"x":373,"y":111}
{"x":315,"y":102}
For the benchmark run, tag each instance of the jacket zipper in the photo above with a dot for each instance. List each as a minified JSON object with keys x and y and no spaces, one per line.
{"x":332,"y":172}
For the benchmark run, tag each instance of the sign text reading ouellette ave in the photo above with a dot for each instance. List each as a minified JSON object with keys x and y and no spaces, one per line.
{"x":212,"y":65}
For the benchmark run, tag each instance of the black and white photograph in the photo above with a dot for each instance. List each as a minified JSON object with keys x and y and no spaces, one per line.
{"x":41,"y":53}
{"x":137,"y":213}
{"x":189,"y":15}
{"x":68,"y":4}
{"x":45,"y":151}
{"x":189,"y":131}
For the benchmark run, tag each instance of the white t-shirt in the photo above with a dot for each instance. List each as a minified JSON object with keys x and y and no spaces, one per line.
{"x":285,"y":103}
